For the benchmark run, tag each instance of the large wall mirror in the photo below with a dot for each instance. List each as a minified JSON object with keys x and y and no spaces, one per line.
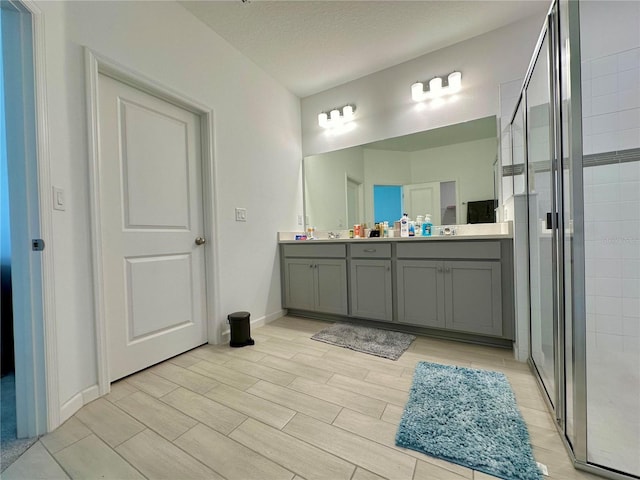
{"x":446,"y":172}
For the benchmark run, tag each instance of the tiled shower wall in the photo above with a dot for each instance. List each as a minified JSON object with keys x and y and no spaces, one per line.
{"x":611,"y":129}
{"x":611,"y":171}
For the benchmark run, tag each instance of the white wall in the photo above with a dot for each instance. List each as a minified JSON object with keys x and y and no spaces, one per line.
{"x":325,"y":186}
{"x":257,"y":159}
{"x":470,"y":164}
{"x":384,"y":107}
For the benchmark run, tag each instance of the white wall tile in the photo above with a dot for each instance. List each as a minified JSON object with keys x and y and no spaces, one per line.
{"x":606,"y":192}
{"x":604,"y":66}
{"x":609,"y":343}
{"x":631,"y":288}
{"x":630,"y":307}
{"x":628,"y":139}
{"x":586,"y":68}
{"x":609,"y":306}
{"x":631,"y":326}
{"x":611,"y":268}
{"x":605,"y":174}
{"x":628,"y":80}
{"x":610,"y":324}
{"x":628,"y":59}
{"x":608,"y":287}
{"x":590,"y":305}
{"x":628,"y":98}
{"x":604,"y":123}
{"x":631,"y":268}
{"x":591,"y":323}
{"x":630,"y":171}
{"x":630,"y":192}
{"x":631,"y":345}
{"x":631,"y":229}
{"x":630,"y":249}
{"x":606,"y":103}
{"x":628,"y":119}
{"x":604,"y":85}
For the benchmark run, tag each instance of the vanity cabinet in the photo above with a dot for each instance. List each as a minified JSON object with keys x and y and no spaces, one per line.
{"x":458,"y":288}
{"x":371,"y":281}
{"x":462,"y":295}
{"x":457,"y":295}
{"x":314,"y":280}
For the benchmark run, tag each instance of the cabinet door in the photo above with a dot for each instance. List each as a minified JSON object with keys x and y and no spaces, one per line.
{"x":299,"y":283}
{"x":473,"y":297}
{"x":331,"y":286}
{"x":421,"y":293}
{"x":371,"y":295}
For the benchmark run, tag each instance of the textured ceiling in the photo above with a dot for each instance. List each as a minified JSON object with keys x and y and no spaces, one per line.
{"x":311,"y":46}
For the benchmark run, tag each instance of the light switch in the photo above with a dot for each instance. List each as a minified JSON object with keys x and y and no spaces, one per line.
{"x":58,"y":199}
{"x":241,"y":214}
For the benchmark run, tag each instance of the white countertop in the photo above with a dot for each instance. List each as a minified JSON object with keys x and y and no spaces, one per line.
{"x":481,"y":231}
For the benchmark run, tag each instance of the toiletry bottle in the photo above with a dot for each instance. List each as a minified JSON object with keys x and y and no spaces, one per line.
{"x":427,"y":226}
{"x":419,"y":222}
{"x":412,"y":229}
{"x":404,"y":225}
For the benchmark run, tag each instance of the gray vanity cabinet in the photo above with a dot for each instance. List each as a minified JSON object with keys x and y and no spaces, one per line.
{"x":462,"y":295}
{"x":473,"y":298}
{"x":313,"y":282}
{"x":371,"y":281}
{"x":421,"y":293}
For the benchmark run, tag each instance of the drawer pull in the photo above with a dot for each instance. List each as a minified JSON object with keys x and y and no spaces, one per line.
{"x":370,"y":250}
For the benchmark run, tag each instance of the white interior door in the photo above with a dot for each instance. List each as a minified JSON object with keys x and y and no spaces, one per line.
{"x":421,"y":199}
{"x":152,"y":213}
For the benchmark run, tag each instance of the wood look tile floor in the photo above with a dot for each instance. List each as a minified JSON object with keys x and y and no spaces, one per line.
{"x":287,"y":408}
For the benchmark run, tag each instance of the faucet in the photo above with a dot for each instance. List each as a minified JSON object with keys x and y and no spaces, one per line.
{"x":334,"y":235}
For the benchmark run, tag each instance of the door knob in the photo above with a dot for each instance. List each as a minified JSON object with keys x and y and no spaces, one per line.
{"x":200,"y":241}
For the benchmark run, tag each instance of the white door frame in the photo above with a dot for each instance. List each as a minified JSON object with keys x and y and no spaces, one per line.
{"x":37,"y":399}
{"x":96,"y":64}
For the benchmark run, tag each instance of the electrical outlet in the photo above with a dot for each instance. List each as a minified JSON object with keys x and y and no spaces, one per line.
{"x":241,"y":214}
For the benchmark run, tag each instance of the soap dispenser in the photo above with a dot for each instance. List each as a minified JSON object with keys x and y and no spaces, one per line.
{"x":427,"y":226}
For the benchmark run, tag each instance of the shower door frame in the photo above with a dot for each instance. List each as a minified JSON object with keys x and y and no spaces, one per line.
{"x":562,"y":27}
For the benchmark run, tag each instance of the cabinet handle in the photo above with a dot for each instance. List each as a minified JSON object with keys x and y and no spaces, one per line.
{"x":447,"y":269}
{"x":369,"y":250}
{"x":388,"y":268}
{"x":439,"y":269}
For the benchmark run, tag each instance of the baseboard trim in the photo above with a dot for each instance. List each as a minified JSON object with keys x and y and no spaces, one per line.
{"x":78,"y":401}
{"x":257,"y":322}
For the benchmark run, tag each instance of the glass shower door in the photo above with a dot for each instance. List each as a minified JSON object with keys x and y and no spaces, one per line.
{"x":541,"y":221}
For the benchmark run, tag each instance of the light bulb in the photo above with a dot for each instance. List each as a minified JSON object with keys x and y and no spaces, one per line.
{"x":455,"y":81}
{"x":335,"y":115}
{"x":417,"y":91}
{"x":435,"y":86}
{"x":323,"y":119}
{"x":347,"y":113}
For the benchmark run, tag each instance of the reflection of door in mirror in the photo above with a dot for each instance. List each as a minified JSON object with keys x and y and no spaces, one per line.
{"x":387,"y":203}
{"x":421,"y":199}
{"x":354,"y":202}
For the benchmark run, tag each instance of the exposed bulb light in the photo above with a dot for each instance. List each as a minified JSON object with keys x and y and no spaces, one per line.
{"x":435,"y":85}
{"x":435,"y":88}
{"x":323,"y":119}
{"x":336,"y":117}
{"x":455,"y":81}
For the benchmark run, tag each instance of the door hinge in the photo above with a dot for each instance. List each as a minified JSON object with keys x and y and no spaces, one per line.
{"x":37,"y":244}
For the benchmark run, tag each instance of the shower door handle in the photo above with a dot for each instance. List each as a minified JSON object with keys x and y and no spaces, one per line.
{"x":549,"y":223}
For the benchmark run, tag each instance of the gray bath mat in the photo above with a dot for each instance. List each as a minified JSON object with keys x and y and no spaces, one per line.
{"x":382,"y":343}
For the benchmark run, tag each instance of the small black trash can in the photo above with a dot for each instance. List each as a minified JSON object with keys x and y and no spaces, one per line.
{"x":240,"y":335}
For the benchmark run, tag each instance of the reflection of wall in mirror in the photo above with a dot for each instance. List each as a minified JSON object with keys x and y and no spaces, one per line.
{"x":469,"y":164}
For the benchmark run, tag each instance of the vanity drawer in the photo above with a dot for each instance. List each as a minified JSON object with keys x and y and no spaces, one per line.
{"x":448,"y":249}
{"x":334,"y":250}
{"x":373,"y":250}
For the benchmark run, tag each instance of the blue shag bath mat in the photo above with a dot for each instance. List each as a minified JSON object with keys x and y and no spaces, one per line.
{"x":469,"y":417}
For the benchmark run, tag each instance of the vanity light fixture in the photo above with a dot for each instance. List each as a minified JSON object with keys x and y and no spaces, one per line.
{"x":336,"y":117}
{"x":435,"y":87}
